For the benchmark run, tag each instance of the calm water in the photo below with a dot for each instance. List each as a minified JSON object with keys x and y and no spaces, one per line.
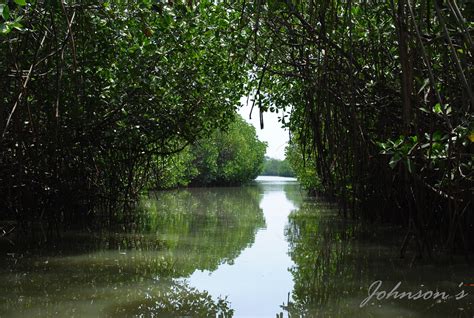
{"x":254,"y":251}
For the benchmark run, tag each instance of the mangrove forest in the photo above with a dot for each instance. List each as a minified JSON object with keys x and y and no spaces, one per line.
{"x":127,"y":172}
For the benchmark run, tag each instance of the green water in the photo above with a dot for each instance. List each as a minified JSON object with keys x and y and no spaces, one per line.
{"x":254,"y":251}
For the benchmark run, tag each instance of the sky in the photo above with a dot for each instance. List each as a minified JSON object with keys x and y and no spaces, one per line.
{"x":276,"y":137}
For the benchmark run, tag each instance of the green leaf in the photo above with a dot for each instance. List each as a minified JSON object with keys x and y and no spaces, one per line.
{"x":382,"y":145}
{"x":437,"y":108}
{"x":4,"y":11}
{"x":20,"y":2}
{"x":4,"y":28}
{"x":437,"y":135}
{"x":395,"y":159}
{"x":17,"y":25}
{"x":399,"y":141}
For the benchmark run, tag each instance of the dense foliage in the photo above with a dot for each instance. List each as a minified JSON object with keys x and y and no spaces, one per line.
{"x":275,"y":167}
{"x":95,"y":95}
{"x":226,"y":157}
{"x":97,"y":99}
{"x":303,"y":167}
{"x":381,"y":106}
{"x":233,"y":156}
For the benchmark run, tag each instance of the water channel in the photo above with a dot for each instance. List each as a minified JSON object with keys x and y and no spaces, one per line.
{"x":261,"y":250}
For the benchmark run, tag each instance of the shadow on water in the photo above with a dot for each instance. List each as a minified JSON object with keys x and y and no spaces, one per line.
{"x":336,"y":260}
{"x":138,"y":268}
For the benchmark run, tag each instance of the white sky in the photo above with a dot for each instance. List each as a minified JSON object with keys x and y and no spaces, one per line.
{"x":276,"y":137}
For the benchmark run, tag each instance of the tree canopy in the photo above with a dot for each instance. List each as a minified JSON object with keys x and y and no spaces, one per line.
{"x":377,"y":96}
{"x":93,"y":94}
{"x":381,"y":103}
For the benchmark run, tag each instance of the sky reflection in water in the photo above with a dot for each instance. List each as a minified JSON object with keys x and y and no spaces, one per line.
{"x":254,"y":245}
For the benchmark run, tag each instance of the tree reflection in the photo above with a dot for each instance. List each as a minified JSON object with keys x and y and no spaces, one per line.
{"x":318,"y":246}
{"x":204,"y":227}
{"x":336,"y":260}
{"x":173,"y":234}
{"x":294,"y":193}
{"x":179,"y":300}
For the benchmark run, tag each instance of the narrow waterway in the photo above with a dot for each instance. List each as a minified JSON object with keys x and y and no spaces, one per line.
{"x":255,"y":251}
{"x":258,"y":281}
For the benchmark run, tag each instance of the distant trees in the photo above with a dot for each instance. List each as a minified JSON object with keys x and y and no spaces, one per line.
{"x":275,"y":167}
{"x":227,"y":157}
{"x":230,"y":156}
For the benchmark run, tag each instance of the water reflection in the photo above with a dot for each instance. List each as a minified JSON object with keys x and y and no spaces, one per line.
{"x":179,"y":300}
{"x":336,"y":260}
{"x":258,"y":282}
{"x":131,"y":270}
{"x":205,"y":227}
{"x":252,"y":251}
